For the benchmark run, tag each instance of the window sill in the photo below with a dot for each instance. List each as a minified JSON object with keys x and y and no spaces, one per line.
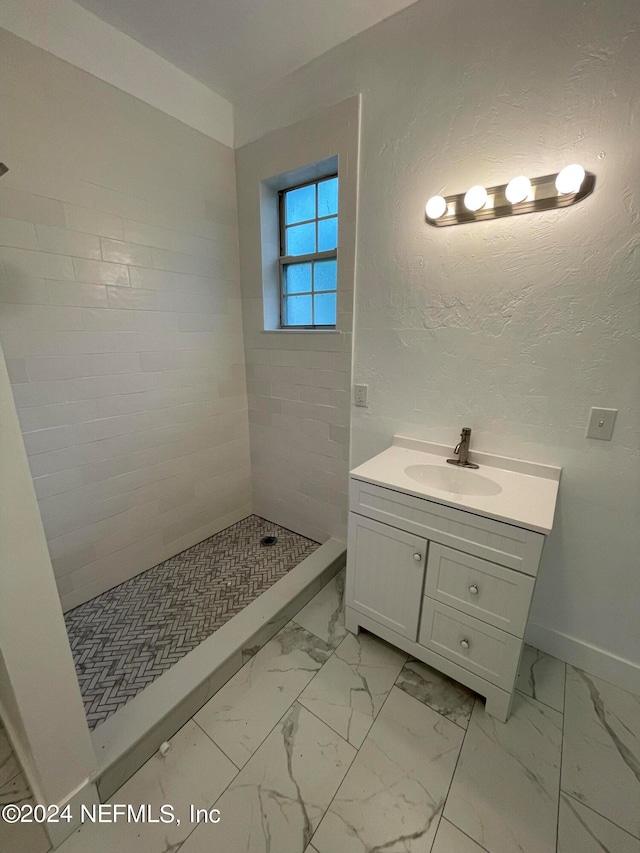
{"x":302,"y":332}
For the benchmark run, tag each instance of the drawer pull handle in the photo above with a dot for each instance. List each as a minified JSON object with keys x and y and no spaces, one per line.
{"x":473,"y":589}
{"x":465,"y":643}
{"x":417,"y":557}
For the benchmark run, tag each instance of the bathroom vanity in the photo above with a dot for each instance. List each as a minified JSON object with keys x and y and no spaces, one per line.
{"x":442,"y":561}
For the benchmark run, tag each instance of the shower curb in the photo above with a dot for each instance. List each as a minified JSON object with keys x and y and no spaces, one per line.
{"x":131,"y":736}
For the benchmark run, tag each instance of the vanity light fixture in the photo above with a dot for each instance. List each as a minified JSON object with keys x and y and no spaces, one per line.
{"x":518,"y":189}
{"x":436,"y":207}
{"x":475,"y":198}
{"x":520,"y":195}
{"x":570,"y":179}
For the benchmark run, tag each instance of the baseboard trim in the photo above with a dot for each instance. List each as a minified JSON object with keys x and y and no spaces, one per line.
{"x":85,"y":794}
{"x":592,"y":659}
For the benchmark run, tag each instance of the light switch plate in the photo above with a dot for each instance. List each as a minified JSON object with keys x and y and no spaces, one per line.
{"x":360,"y":394}
{"x":601,"y":423}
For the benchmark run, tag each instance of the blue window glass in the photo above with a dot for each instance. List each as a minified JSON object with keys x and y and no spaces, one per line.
{"x":328,"y":197}
{"x":297,"y":311}
{"x":324,"y":306}
{"x":297,"y":278}
{"x":300,"y":204}
{"x":325,"y":275}
{"x":301,"y":239}
{"x":309,"y":227}
{"x":327,"y":234}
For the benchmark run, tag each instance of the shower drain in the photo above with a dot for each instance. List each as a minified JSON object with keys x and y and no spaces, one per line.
{"x":268,"y":540}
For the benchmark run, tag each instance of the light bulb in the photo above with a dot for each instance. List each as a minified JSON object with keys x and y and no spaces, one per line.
{"x":570,"y":179}
{"x":436,"y":207}
{"x":475,"y":198}
{"x":518,"y":189}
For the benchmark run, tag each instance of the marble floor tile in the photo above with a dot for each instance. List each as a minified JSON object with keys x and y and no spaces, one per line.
{"x":194,"y":772}
{"x":20,"y":837}
{"x":392,"y":797}
{"x":542,"y":677}
{"x":449,"y":839}
{"x":15,"y":790}
{"x":243,"y":712}
{"x":505,"y":790}
{"x":351,"y":687}
{"x":581,"y":830}
{"x":601,"y":757}
{"x":278,"y":798}
{"x":435,"y":689}
{"x":8,"y":765}
{"x":324,"y":614}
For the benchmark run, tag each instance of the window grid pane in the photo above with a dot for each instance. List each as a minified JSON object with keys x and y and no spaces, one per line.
{"x":322,"y":295}
{"x":301,"y":205}
{"x":302,"y":239}
{"x":325,"y":275}
{"x":297,"y":278}
{"x":328,"y":197}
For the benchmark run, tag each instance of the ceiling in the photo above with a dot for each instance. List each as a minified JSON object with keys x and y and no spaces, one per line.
{"x":241,"y":46}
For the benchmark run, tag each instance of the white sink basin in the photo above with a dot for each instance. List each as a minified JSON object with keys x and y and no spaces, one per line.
{"x":516,"y":491}
{"x":460,"y":481}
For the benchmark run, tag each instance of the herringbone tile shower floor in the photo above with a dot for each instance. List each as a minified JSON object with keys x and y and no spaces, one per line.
{"x":127,"y":637}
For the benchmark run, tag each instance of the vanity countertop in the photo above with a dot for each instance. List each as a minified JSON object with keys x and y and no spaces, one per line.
{"x":526,"y":491}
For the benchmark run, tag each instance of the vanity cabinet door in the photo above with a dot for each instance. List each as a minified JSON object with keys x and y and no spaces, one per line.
{"x":385,"y":574}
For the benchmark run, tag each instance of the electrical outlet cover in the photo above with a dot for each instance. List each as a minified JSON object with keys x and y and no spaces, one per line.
{"x":360,"y":394}
{"x":601,"y":422}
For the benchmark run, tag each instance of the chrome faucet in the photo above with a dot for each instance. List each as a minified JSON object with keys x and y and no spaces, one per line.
{"x":462,"y":449}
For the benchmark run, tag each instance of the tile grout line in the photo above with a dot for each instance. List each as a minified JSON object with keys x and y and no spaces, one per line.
{"x":604,"y":817}
{"x":293,"y":619}
{"x":569,"y":794}
{"x":324,"y":722}
{"x":274,"y":727}
{"x":18,"y":767}
{"x":444,"y":804}
{"x":535,"y":699}
{"x":462,"y":832}
{"x":346,"y":740}
{"x":217,"y":745}
{"x":426,"y":704}
{"x":564,"y":707}
{"x":357,"y":752}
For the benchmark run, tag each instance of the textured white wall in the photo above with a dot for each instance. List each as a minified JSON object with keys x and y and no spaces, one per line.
{"x":120,"y":318}
{"x":516,"y":327}
{"x":298,"y":383}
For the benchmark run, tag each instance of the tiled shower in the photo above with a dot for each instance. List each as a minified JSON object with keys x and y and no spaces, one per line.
{"x":125,"y":322}
{"x":121,"y":323}
{"x":127,"y":637}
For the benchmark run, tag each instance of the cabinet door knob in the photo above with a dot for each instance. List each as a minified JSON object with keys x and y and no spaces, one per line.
{"x":473,"y":589}
{"x":465,"y":643}
{"x":417,"y":557}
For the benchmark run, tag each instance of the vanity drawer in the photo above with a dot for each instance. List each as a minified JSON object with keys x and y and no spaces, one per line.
{"x":501,"y":543}
{"x":485,"y":590}
{"x":490,"y":653}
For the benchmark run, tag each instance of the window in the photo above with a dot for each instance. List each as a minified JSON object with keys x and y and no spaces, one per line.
{"x":309,"y":254}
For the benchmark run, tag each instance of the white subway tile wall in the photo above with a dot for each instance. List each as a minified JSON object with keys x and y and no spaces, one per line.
{"x":121,"y":321}
{"x":299,"y":383}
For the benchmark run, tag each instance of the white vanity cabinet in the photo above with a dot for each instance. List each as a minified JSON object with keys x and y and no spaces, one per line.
{"x":451,"y":587}
{"x":386,"y":574}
